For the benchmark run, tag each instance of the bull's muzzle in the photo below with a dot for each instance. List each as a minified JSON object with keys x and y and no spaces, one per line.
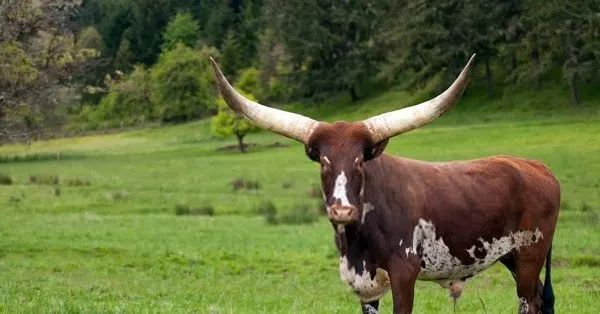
{"x":342,"y":214}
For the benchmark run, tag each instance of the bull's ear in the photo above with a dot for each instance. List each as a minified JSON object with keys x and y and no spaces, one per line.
{"x":374,"y":151}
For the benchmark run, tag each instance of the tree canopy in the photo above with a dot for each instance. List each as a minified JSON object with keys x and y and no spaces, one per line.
{"x":280,"y":50}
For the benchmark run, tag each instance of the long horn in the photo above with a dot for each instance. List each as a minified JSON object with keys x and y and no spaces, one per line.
{"x":387,"y":125}
{"x":281,"y":122}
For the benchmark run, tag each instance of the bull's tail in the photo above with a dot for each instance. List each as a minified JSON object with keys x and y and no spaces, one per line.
{"x":547,"y":291}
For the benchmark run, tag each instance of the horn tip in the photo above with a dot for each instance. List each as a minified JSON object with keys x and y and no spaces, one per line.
{"x":472,"y":59}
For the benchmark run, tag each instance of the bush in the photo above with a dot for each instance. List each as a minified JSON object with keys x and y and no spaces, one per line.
{"x":243,"y":184}
{"x":585,"y":207}
{"x":183,"y":209}
{"x":44,"y":179}
{"x":77,"y":182}
{"x":182,"y":84}
{"x":205,"y":210}
{"x":301,"y":213}
{"x":267,"y":209}
{"x":5,"y":179}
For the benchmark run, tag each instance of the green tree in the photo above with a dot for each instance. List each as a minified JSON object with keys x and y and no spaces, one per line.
{"x":124,"y":57}
{"x":219,"y":21}
{"x":148,"y":21}
{"x":89,"y":38}
{"x":231,"y":55}
{"x":181,"y":29}
{"x":227,"y":123}
{"x":183,"y":83}
{"x":332,"y":47}
{"x":39,"y":60}
{"x":128,"y":102}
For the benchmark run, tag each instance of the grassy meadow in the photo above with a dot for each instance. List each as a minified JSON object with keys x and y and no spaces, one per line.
{"x":88,"y":224}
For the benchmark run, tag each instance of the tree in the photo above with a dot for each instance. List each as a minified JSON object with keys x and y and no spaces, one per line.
{"x":124,"y":57}
{"x":181,"y":29}
{"x":128,"y":102}
{"x":148,"y":21}
{"x":227,"y":123}
{"x":231,"y":55}
{"x":183,"y":83}
{"x":39,"y":61}
{"x":331,"y":45}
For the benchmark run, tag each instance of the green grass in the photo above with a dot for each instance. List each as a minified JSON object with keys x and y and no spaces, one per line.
{"x":116,"y":245}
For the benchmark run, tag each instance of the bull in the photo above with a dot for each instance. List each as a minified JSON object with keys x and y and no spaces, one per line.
{"x":398,"y":220}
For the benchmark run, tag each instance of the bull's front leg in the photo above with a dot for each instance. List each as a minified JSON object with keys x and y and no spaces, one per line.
{"x":370,"y":307}
{"x":403,"y":275}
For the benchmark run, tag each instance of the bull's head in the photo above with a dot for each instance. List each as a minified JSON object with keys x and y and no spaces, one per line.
{"x":342,"y":148}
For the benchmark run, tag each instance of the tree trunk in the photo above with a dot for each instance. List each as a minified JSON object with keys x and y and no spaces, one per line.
{"x":241,"y":145}
{"x":573,"y":89}
{"x":353,"y":94}
{"x":488,"y":77}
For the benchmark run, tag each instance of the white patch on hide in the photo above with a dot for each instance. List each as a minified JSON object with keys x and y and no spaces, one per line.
{"x":438,"y":264}
{"x":367,"y":207}
{"x":339,"y":191}
{"x":523,"y":306}
{"x":341,"y":228}
{"x":367,"y":289}
{"x":369,"y":309}
{"x":326,"y":160}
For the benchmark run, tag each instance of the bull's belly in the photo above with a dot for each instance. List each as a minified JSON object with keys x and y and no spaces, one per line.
{"x":369,"y":287}
{"x":438,"y":264}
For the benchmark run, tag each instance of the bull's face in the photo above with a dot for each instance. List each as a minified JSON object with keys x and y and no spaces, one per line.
{"x":342,"y":149}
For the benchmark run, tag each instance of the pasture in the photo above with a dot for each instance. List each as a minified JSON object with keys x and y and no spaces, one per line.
{"x":105,"y":238}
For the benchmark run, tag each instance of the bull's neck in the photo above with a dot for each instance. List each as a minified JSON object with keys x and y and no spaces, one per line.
{"x":349,"y":240}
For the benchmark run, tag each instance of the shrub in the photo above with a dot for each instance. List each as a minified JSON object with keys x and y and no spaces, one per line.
{"x":5,"y":179}
{"x":267,"y":209}
{"x":77,"y":182}
{"x":57,"y":191}
{"x":44,"y":179}
{"x":585,"y":207}
{"x":243,"y":184}
{"x":301,"y":213}
{"x":205,"y":210}
{"x":183,"y":209}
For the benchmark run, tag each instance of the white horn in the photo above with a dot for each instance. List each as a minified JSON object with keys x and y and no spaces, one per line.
{"x":278,"y":121}
{"x":387,"y":125}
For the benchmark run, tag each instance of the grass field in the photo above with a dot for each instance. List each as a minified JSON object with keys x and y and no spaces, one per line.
{"x":116,"y":245}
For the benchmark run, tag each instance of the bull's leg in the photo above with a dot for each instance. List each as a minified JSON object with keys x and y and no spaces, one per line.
{"x":403,"y":275}
{"x":370,"y":307}
{"x":528,"y":265}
